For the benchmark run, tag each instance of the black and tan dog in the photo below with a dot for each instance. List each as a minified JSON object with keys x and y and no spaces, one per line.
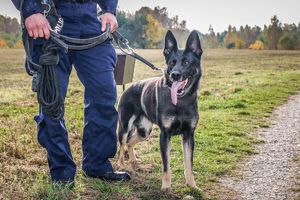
{"x":170,"y":102}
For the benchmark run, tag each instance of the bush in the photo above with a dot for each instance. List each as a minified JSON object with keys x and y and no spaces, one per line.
{"x":230,"y":45}
{"x":258,"y":45}
{"x":289,"y":41}
{"x":3,"y":43}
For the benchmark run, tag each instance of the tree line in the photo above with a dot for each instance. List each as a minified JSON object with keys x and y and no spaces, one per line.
{"x":273,"y":36}
{"x":147,"y":27}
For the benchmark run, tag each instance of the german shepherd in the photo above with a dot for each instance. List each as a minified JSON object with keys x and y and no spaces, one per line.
{"x":170,"y":102}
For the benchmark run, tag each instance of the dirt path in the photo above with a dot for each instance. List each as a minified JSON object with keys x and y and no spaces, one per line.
{"x":274,"y":173}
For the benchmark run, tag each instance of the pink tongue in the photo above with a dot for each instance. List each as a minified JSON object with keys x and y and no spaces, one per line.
{"x":176,"y":85}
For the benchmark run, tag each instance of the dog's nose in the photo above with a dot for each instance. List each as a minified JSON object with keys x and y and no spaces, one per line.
{"x":175,"y":75}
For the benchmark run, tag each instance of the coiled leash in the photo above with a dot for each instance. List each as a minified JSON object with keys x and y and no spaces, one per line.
{"x":44,"y":78}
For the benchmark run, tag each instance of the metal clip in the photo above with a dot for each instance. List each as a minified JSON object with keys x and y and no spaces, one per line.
{"x":46,"y":6}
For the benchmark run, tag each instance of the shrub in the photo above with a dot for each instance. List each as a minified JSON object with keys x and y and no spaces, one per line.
{"x":289,"y":41}
{"x":258,"y":45}
{"x":3,"y":43}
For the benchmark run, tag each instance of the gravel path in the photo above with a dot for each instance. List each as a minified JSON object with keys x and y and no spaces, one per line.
{"x":274,"y":173}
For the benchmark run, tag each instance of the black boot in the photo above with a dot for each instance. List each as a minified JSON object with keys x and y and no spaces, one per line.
{"x":112,"y":176}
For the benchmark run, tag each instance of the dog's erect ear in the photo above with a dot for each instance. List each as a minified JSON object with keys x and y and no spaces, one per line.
{"x":170,"y":43}
{"x":193,"y":44}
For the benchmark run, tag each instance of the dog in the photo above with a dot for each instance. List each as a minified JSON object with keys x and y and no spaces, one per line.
{"x":170,"y":102}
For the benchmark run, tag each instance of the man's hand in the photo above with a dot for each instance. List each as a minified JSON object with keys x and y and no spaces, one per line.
{"x":108,"y":18}
{"x":38,"y":26}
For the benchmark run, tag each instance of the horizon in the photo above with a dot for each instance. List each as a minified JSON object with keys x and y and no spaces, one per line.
{"x":220,"y":17}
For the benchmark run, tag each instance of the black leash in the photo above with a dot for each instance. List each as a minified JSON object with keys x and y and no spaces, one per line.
{"x":48,"y":90}
{"x":123,"y":44}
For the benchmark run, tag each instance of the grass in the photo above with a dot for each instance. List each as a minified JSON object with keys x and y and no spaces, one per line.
{"x":238,"y":92}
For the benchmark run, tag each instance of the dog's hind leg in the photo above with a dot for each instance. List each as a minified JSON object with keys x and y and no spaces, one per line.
{"x":165,"y":148}
{"x":131,"y":152}
{"x":188,"y":149}
{"x":120,"y":161}
{"x":144,"y":128}
{"x":125,"y":130}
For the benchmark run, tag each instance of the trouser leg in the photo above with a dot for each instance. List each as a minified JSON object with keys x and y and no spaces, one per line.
{"x":95,"y":70}
{"x":53,"y":134}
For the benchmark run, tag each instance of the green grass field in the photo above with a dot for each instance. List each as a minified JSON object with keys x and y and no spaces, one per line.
{"x":239,"y":90}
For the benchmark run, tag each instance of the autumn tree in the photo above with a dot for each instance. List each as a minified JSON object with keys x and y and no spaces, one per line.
{"x":212,"y":38}
{"x":154,"y":32}
{"x":228,"y":40}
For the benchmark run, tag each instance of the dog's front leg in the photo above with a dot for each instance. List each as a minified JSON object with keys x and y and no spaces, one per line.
{"x":165,"y":148}
{"x":188,"y":149}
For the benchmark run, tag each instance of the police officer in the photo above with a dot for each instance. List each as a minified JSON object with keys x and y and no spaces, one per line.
{"x":94,"y":68}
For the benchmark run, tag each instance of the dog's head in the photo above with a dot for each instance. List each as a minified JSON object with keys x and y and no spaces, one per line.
{"x":184,"y":71}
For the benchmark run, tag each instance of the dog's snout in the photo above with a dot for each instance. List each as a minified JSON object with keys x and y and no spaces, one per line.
{"x":175,"y":75}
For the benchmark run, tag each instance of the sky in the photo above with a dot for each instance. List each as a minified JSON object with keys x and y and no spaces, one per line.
{"x":218,"y":13}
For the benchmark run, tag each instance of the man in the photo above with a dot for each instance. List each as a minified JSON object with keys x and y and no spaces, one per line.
{"x":95,"y":70}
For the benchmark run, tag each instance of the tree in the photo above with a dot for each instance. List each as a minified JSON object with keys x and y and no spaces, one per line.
{"x":221,"y":37}
{"x":228,"y":38}
{"x":133,"y":28}
{"x":289,"y":41}
{"x":146,"y":27}
{"x":273,"y":32}
{"x":212,"y":39}
{"x":154,"y":32}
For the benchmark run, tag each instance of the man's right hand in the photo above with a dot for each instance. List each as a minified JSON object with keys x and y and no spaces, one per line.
{"x":38,"y":26}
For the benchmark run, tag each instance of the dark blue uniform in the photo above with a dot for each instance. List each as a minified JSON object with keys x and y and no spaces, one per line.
{"x":94,"y":68}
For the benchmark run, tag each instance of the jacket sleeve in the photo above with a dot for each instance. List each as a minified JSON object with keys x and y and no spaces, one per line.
{"x":17,"y":3}
{"x":30,"y":7}
{"x":108,"y":6}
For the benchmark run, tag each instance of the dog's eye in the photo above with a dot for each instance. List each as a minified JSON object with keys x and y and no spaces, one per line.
{"x":172,"y":62}
{"x":185,"y":62}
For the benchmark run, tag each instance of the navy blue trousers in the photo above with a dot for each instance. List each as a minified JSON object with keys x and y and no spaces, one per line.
{"x":94,"y":68}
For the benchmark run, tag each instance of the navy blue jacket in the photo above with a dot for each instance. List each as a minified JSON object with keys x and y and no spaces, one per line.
{"x":32,"y":6}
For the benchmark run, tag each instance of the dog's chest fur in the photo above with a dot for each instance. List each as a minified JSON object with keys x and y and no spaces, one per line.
{"x":157,"y":106}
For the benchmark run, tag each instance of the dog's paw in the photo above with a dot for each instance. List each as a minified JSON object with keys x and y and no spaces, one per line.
{"x":193,"y":186}
{"x":135,"y":164}
{"x":134,"y":160}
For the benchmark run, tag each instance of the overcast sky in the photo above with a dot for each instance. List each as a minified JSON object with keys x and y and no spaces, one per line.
{"x":219,"y":13}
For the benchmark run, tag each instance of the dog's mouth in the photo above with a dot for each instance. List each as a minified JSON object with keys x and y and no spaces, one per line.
{"x":178,"y":89}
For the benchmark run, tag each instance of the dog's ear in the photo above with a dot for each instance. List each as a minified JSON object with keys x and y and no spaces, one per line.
{"x":193,"y":44}
{"x":170,"y":43}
